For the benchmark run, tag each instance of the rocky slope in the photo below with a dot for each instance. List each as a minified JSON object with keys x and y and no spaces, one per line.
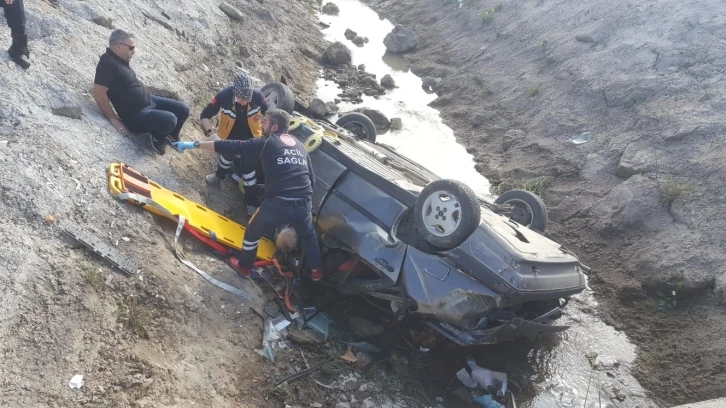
{"x":166,"y":337}
{"x":642,"y":201}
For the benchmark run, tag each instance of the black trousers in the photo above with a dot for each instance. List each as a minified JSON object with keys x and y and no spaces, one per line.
{"x":15,"y":15}
{"x":275,"y":212}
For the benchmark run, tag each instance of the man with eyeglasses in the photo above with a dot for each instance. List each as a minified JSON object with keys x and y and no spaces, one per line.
{"x":15,"y":16}
{"x":116,"y":84}
{"x":242,"y":109}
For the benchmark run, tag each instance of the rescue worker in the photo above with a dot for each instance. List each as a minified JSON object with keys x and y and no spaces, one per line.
{"x":138,"y":110}
{"x":241,"y":119}
{"x":288,"y":188}
{"x":14,"y":11}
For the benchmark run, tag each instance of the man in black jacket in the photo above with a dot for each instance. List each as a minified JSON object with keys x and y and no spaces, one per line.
{"x":288,"y":188}
{"x":139,"y":111}
{"x":15,"y":16}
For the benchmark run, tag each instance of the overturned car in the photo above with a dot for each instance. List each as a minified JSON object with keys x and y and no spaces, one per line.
{"x":476,"y":272}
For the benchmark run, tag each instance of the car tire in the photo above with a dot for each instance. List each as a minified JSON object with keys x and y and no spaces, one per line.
{"x":528,"y":209}
{"x":279,"y":96}
{"x":359,"y":124}
{"x":446,"y":213}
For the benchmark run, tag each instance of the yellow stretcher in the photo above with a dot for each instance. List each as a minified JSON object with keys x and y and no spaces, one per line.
{"x":130,"y":185}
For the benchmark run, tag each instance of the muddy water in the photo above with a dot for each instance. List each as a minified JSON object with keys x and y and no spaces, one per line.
{"x":423,"y":138}
{"x":554,"y":372}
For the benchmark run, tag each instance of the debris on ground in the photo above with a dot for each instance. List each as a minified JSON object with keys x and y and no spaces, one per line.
{"x":76,"y":382}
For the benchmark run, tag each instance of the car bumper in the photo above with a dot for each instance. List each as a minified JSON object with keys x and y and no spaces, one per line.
{"x":508,"y":330}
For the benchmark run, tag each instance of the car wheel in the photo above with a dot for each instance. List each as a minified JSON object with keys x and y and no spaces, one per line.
{"x":279,"y":96}
{"x":359,"y":124}
{"x":446,"y":213}
{"x":527,"y":209}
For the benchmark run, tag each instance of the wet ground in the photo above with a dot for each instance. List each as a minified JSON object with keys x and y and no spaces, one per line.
{"x":586,"y":366}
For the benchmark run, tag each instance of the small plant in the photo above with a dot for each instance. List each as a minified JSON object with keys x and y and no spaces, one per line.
{"x":669,"y":299}
{"x":671,"y":190}
{"x":134,"y":316}
{"x":534,"y":91}
{"x":536,"y":185}
{"x":93,"y":276}
{"x":486,"y":16}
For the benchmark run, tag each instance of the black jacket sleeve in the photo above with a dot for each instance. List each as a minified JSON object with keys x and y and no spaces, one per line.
{"x":249,"y":149}
{"x":212,"y":109}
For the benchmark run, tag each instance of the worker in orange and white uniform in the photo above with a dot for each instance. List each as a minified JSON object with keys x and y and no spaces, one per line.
{"x":241,"y":109}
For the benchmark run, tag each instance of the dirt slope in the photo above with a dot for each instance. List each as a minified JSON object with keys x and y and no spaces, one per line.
{"x":642,"y":202}
{"x":165,"y":338}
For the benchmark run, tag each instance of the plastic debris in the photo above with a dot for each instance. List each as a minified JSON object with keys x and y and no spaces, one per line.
{"x":582,"y":138}
{"x":487,"y":401}
{"x":319,"y":322}
{"x":484,"y":377}
{"x":270,"y":337}
{"x":349,"y":356}
{"x":76,"y":382}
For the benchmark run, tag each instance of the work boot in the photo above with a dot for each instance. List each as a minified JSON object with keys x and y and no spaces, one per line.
{"x":19,"y":52}
{"x":157,"y":144}
{"x":212,"y":179}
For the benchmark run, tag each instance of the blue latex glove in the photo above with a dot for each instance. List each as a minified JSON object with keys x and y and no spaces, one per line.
{"x":181,"y":146}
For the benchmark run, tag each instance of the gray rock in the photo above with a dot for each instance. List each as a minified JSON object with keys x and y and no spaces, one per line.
{"x":317,"y":106}
{"x":586,"y":38}
{"x":632,"y":202}
{"x":330,"y":9}
{"x":358,"y":40}
{"x":396,"y":124}
{"x":369,"y":82}
{"x":679,"y":133}
{"x":635,"y":160}
{"x":306,"y":51}
{"x":370,"y":92}
{"x":361,"y":67}
{"x":309,"y":337}
{"x":331,"y":107}
{"x":231,"y":12}
{"x":336,"y":54}
{"x":159,"y":21}
{"x":594,"y":167}
{"x":243,"y":51}
{"x":400,"y":40}
{"x":324,"y":25}
{"x":350,"y":34}
{"x":71,"y":110}
{"x":388,"y":82}
{"x":379,"y":119}
{"x":366,"y":40}
{"x":364,"y":327}
{"x":104,"y":22}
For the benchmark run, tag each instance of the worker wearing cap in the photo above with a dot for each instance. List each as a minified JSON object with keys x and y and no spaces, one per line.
{"x":288,"y":189}
{"x":241,"y":108}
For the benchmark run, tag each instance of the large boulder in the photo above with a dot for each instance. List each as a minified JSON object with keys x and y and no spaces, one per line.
{"x":636,"y":160}
{"x":337,"y":54}
{"x":330,"y":9}
{"x":400,"y":40}
{"x":379,"y":119}
{"x":388,"y":82}
{"x":350,"y":34}
{"x":635,"y":201}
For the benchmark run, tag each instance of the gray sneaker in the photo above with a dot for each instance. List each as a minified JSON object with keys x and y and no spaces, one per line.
{"x":251,"y":209}
{"x":212,"y":179}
